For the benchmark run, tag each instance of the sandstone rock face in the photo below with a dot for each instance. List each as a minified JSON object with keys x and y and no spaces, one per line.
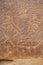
{"x":31,"y":61}
{"x":21,"y":28}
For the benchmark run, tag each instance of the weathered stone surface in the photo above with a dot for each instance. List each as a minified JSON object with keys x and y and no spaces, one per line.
{"x":21,"y":28}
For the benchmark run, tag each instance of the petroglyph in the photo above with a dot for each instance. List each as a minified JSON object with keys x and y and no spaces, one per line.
{"x":21,"y":28}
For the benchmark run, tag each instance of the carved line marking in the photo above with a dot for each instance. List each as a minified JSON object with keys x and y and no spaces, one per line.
{"x":38,"y":44}
{"x":8,"y":37}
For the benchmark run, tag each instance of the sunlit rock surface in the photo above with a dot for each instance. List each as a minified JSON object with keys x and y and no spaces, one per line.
{"x":30,"y":61}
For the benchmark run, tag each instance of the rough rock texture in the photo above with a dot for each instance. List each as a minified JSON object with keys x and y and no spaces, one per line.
{"x":21,"y":28}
